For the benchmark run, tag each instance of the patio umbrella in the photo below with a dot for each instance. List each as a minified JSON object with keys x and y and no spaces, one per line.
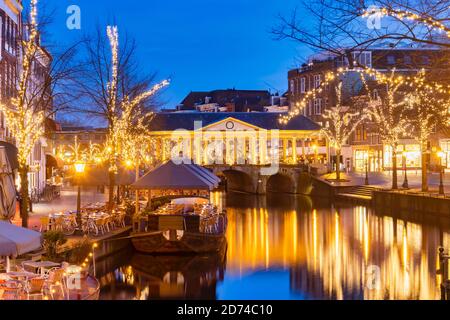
{"x":7,"y":188}
{"x":15,"y":241}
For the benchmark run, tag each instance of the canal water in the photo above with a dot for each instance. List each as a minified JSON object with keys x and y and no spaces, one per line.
{"x":293,"y":247}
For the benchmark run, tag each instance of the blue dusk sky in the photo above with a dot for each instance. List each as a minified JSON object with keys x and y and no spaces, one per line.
{"x":200,"y":44}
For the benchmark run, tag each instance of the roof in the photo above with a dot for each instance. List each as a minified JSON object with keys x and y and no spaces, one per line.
{"x":221,"y":97}
{"x":169,"y":121}
{"x":177,"y":176}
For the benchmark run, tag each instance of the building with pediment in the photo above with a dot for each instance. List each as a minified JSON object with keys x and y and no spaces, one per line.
{"x":237,"y":138}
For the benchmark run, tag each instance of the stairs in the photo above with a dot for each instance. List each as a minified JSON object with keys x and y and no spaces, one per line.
{"x":359,"y":192}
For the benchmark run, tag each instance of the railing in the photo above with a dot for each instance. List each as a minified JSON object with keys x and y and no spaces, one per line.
{"x":444,"y":272}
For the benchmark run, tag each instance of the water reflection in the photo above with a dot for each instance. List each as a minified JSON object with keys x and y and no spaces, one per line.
{"x":285,"y":247}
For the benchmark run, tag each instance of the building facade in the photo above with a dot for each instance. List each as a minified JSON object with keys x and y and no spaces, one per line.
{"x":236,"y":138}
{"x":12,"y":30}
{"x":365,"y":150}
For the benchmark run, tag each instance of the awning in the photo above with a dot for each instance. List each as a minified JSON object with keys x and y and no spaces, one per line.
{"x":7,"y":188}
{"x":53,"y":162}
{"x":15,"y":241}
{"x":99,"y":176}
{"x":177,"y":176}
{"x":11,"y":153}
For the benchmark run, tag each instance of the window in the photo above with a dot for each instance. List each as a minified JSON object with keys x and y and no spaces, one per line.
{"x":318,"y":106}
{"x":407,"y":60}
{"x":362,"y":59}
{"x":317,"y":80}
{"x":292,"y":86}
{"x":425,"y":59}
{"x":303,"y":85}
{"x":390,"y":59}
{"x":375,"y":95}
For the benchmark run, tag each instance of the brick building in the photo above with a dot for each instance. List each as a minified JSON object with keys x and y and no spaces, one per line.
{"x":365,"y":147}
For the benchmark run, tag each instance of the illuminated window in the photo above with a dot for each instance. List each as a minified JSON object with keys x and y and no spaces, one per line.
{"x":317,"y":80}
{"x":303,"y":85}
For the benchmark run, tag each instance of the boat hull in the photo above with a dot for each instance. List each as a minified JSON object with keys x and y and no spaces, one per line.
{"x":190,"y":243}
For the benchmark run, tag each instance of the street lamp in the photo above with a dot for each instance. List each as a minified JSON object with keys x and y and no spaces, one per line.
{"x":79,"y":170}
{"x":441,"y":155}
{"x":366,"y":180}
{"x":405,"y":175}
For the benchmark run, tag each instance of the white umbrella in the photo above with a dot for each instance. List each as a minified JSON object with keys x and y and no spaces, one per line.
{"x":7,"y":188}
{"x":15,"y":241}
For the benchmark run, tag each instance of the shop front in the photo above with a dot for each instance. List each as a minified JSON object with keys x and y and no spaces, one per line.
{"x":368,"y":159}
{"x":445,"y":148}
{"x":407,"y":155}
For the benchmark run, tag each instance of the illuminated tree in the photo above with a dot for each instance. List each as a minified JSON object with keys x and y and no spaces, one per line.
{"x":388,"y":112}
{"x":24,"y":116}
{"x":430,"y":112}
{"x":117,"y":94}
{"x":340,"y":123}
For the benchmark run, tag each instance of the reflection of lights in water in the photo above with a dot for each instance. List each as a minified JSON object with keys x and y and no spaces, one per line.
{"x":172,"y":277}
{"x":331,"y":251}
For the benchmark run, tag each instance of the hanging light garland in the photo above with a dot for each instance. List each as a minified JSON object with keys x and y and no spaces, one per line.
{"x":24,"y":120}
{"x":364,"y":72}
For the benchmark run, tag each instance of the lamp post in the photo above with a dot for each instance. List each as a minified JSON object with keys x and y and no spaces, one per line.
{"x":79,"y":169}
{"x":440,"y":154}
{"x":405,"y":175}
{"x":366,"y":180}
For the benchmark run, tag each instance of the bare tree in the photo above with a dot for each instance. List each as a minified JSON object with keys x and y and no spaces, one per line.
{"x":430,"y":107}
{"x":341,"y":122}
{"x":387,"y":111}
{"x":114,"y":91}
{"x":38,"y":84}
{"x":331,"y":25}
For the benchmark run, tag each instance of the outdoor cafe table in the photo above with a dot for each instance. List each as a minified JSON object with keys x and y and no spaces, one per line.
{"x":42,"y":266}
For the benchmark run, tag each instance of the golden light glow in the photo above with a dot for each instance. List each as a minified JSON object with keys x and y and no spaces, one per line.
{"x":79,"y":167}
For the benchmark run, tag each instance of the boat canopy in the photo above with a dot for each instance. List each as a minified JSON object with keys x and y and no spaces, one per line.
{"x":15,"y":241}
{"x":178,"y":176}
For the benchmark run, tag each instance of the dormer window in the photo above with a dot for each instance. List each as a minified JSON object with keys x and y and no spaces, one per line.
{"x":390,"y":59}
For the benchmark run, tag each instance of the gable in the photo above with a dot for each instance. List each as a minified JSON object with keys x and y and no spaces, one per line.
{"x":230,"y":124}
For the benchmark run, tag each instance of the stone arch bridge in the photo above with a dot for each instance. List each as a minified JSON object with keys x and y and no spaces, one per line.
{"x":253,"y":179}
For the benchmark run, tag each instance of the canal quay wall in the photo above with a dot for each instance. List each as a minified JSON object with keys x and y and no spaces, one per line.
{"x":401,"y":201}
{"x":106,"y":245}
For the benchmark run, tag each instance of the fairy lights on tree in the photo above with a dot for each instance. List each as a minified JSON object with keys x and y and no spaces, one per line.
{"x":126,"y":118}
{"x":430,"y":111}
{"x":341,"y":123}
{"x":388,"y":112}
{"x":24,"y":118}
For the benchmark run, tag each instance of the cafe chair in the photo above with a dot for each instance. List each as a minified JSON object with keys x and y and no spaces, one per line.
{"x":35,"y":288}
{"x":46,"y":224}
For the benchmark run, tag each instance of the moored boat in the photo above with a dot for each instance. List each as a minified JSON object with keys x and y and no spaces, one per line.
{"x":187,"y":225}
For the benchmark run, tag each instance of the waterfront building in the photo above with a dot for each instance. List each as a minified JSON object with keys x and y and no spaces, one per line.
{"x":252,"y":138}
{"x":365,"y":148}
{"x":12,"y":30}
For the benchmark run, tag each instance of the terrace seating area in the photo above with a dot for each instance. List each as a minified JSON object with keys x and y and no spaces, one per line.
{"x":94,"y":217}
{"x":46,"y":280}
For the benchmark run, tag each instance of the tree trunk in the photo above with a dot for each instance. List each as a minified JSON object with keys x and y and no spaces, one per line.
{"x":112,"y":183}
{"x":394,"y":167}
{"x":338,"y":162}
{"x":24,"y":196}
{"x":424,"y":170}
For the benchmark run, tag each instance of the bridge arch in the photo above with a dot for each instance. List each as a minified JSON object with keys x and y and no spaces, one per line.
{"x":238,"y":181}
{"x":281,"y":183}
